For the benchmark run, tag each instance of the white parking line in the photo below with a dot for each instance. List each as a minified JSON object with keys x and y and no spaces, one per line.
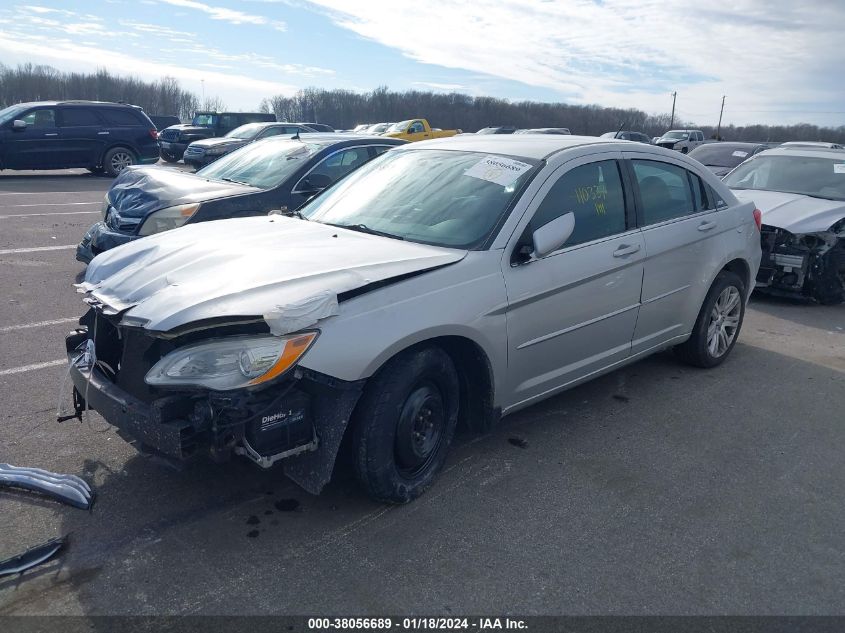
{"x":42,"y":193}
{"x":33,"y":367}
{"x":26,"y":326}
{"x":12,"y":251}
{"x":49,"y":204}
{"x":32,"y":215}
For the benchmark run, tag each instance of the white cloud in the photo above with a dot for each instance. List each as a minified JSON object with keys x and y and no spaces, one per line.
{"x":763,"y":54}
{"x":439,"y":86}
{"x":232,"y":16}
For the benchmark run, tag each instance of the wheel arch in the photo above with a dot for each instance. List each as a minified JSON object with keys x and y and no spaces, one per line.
{"x":742,"y":269}
{"x":117,"y":145}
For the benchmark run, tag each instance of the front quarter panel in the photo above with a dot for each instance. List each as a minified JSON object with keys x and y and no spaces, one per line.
{"x":464,"y":299}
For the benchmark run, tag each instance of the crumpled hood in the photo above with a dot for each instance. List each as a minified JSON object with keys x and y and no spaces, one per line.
{"x":669,"y":141}
{"x":138,"y":191}
{"x":794,"y":212}
{"x":219,"y":141}
{"x":287,"y":270}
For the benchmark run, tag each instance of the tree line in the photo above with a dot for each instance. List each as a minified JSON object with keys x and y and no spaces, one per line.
{"x":343,"y":109}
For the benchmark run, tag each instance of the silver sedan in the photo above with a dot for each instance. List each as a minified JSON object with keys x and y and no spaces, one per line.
{"x":445,"y":283}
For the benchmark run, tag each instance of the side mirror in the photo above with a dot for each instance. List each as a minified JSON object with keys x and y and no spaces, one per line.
{"x":552,"y":235}
{"x":17,"y":124}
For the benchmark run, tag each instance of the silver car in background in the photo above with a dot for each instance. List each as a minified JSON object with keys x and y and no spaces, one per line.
{"x":445,"y":283}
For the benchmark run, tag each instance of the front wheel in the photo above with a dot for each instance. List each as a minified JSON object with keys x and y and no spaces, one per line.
{"x":718,"y":324}
{"x":117,"y":159}
{"x":404,"y":424}
{"x":684,"y":150}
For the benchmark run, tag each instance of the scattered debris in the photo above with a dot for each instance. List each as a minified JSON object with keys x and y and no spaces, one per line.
{"x":69,"y":489}
{"x":253,"y":520}
{"x":620,"y":397}
{"x":32,"y":557}
{"x":253,"y":533}
{"x":518,"y":441}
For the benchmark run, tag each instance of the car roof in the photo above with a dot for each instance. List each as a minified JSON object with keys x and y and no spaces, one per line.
{"x":327,"y":139}
{"x":729,"y":144}
{"x":531,"y":146}
{"x":32,"y":104}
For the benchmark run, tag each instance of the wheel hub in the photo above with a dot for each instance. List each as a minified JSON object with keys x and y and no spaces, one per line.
{"x":420,"y":428}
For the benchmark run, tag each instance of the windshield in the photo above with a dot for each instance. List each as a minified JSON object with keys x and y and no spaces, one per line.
{"x":717,"y":155}
{"x":676,"y":135}
{"x":445,"y":198}
{"x":264,"y":164}
{"x":378,"y":128}
{"x":246,"y":132}
{"x":8,"y":114}
{"x":488,"y":130}
{"x":204,"y":120}
{"x":399,"y":127}
{"x":806,"y":175}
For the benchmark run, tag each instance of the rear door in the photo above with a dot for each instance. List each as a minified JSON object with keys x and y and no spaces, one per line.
{"x":684,"y":244}
{"x":37,"y":146}
{"x":573,"y":312}
{"x":83,"y":136}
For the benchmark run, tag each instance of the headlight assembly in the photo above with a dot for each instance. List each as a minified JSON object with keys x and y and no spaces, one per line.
{"x":230,"y":363}
{"x":169,"y":218}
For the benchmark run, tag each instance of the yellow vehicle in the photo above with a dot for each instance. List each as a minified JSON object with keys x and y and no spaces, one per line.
{"x":417,"y":130}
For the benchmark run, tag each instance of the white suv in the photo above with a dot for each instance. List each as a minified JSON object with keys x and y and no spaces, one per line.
{"x":681,"y":140}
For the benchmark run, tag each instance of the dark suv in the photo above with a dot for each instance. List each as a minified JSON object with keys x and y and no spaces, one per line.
{"x":100,"y":136}
{"x":173,"y":141}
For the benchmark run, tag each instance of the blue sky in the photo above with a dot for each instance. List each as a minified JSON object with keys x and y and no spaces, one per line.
{"x":776,"y":60}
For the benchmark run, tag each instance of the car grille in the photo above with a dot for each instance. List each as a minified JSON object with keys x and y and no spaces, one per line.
{"x":117,"y":223}
{"x":169,"y":135}
{"x":194,"y":151}
{"x":667,"y":145}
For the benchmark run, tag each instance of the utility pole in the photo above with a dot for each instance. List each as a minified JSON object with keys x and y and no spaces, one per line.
{"x":672,"y":121}
{"x":202,"y":81}
{"x":719,"y":127}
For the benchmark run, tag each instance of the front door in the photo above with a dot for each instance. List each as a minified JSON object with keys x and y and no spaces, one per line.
{"x":37,"y":146}
{"x":573,"y":312}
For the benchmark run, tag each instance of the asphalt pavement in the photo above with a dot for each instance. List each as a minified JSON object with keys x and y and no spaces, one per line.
{"x":657,"y":489}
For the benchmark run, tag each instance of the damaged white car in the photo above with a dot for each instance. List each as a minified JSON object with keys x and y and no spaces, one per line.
{"x":447,"y":283}
{"x":801,"y":194}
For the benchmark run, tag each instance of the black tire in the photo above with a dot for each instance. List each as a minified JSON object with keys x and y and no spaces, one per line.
{"x":117,"y":159}
{"x":684,"y":150}
{"x":168,"y":158}
{"x":404,"y":424}
{"x":698,"y":350}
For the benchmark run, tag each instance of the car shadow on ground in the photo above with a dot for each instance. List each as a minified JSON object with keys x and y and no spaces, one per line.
{"x":801,"y":310}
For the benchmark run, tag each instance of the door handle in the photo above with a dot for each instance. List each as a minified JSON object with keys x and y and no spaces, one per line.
{"x":706,"y":226}
{"x":101,"y":133}
{"x":52,"y":134}
{"x":626,"y":249}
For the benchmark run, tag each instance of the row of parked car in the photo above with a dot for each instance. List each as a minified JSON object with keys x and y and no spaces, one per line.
{"x":384,"y":293}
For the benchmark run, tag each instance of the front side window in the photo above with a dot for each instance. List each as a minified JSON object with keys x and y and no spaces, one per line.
{"x":446,"y":198}
{"x":594,"y":193}
{"x":244,"y":132}
{"x":664,"y":191}
{"x":416,"y":128}
{"x":79,"y":117}
{"x":41,"y":118}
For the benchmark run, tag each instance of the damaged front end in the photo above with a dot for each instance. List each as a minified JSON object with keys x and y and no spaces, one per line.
{"x":143,"y":383}
{"x":808,"y":264}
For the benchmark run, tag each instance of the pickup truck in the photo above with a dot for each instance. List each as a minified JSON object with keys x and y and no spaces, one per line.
{"x":417,"y":130}
{"x":681,"y":140}
{"x":174,"y":140}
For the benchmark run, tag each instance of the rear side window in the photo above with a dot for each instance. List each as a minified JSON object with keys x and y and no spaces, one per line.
{"x":594,"y":193}
{"x":78,"y":117}
{"x":338,"y":165}
{"x":699,"y":193}
{"x":119,"y":117}
{"x":664,"y":191}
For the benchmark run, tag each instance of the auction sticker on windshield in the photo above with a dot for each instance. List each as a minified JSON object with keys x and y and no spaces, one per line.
{"x":502,"y":171}
{"x":740,"y":154}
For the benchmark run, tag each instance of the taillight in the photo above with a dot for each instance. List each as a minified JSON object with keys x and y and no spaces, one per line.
{"x":154,"y":133}
{"x":758,"y":218}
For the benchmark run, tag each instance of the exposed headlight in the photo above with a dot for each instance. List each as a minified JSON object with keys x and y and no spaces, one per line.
{"x":230,"y":363}
{"x":215,"y":151}
{"x":105,"y":208}
{"x":169,"y":218}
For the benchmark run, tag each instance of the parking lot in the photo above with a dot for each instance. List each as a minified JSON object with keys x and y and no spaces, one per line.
{"x":657,"y":489}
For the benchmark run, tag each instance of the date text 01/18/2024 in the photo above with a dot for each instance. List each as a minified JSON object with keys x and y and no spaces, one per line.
{"x":417,"y":624}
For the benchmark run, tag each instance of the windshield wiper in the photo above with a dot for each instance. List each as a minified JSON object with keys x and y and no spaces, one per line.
{"x":237,"y":182}
{"x":294,"y":213}
{"x":363,"y":228}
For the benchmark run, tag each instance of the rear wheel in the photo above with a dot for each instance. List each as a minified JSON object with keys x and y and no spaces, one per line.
{"x":404,"y":424}
{"x":168,"y":158}
{"x":117,"y":159}
{"x":718,"y":324}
